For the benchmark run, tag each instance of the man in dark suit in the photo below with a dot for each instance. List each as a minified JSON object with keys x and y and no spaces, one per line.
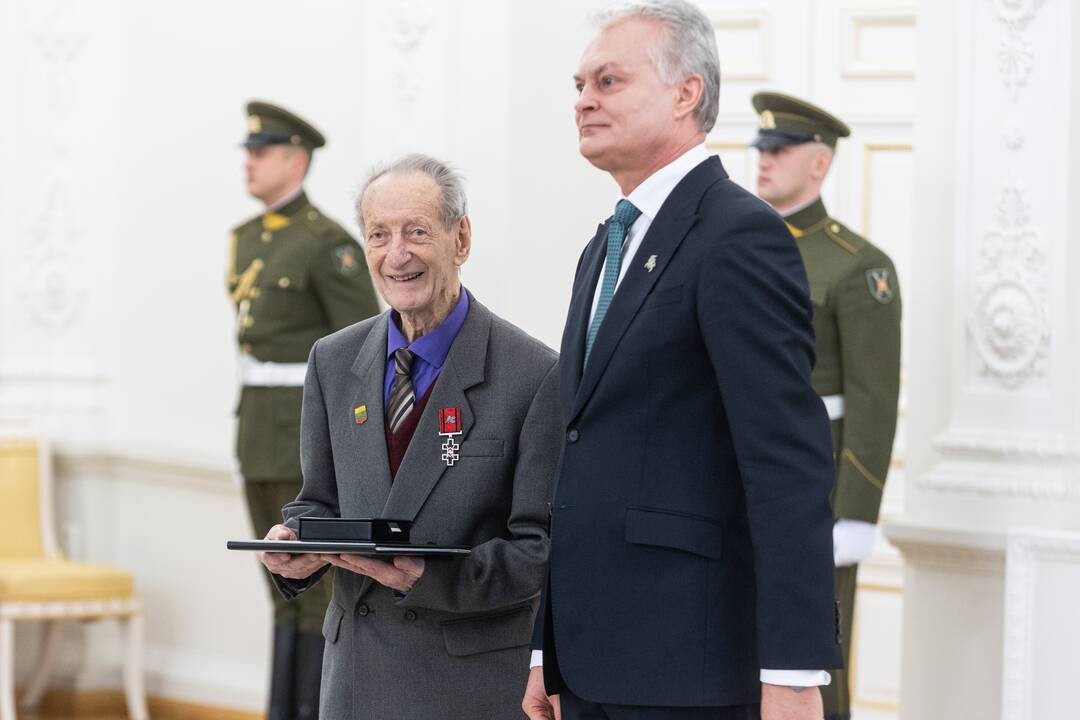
{"x":691,"y":561}
{"x":442,"y":638}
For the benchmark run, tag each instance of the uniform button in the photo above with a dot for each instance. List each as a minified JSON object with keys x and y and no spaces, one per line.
{"x":363,"y":609}
{"x":266,"y":236}
{"x":283,"y":283}
{"x":834,"y":227}
{"x":573,"y":435}
{"x":410,"y":615}
{"x":245,"y":348}
{"x":248,"y":321}
{"x":312,"y":215}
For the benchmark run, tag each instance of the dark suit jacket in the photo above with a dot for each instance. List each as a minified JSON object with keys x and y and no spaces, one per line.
{"x":691,"y":530}
{"x":457,"y":645}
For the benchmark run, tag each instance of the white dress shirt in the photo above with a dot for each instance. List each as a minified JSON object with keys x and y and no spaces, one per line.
{"x":648,"y":197}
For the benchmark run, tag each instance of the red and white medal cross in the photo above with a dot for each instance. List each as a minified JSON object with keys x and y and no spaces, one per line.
{"x":449,"y":426}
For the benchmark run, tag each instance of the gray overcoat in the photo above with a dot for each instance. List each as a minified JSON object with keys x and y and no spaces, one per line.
{"x":456,"y":646}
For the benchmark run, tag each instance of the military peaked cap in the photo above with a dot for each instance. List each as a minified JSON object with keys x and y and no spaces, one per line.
{"x":785,"y":120}
{"x":270,"y":124}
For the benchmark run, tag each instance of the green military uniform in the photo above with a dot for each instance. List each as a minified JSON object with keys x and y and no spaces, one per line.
{"x":856,"y":301}
{"x":295,"y":275}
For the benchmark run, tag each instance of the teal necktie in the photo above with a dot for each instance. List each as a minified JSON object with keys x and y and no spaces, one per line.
{"x":625,"y":215}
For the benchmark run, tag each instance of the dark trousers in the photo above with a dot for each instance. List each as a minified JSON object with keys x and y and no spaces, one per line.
{"x":296,"y":666}
{"x":265,"y":499}
{"x":836,"y":696}
{"x":574,"y":708}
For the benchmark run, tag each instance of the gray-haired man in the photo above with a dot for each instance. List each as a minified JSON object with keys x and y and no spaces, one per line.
{"x":691,"y":534}
{"x":441,"y":638}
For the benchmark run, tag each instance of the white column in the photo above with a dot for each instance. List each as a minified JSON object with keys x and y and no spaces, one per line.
{"x":995,"y":432}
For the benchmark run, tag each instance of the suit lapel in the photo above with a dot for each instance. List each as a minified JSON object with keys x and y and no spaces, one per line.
{"x":423,"y":466}
{"x":672,"y":224}
{"x":370,"y":448}
{"x":577,"y":319}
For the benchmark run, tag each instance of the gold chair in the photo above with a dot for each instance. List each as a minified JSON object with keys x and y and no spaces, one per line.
{"x":37,"y":583}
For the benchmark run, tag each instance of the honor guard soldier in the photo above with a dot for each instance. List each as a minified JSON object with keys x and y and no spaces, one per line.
{"x":294,"y":276}
{"x":856,"y":299}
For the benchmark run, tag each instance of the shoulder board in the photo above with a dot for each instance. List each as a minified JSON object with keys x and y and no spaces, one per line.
{"x":247,"y":224}
{"x":850,"y":241}
{"x":322,"y":225}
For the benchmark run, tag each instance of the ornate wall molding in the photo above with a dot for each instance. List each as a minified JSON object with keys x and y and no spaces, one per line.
{"x":1027,"y":549}
{"x":407,"y":25}
{"x":1015,"y":50}
{"x":755,"y":66}
{"x":1003,"y":446}
{"x":53,"y":290}
{"x":859,"y":22}
{"x":976,"y":481}
{"x":1010,"y":327}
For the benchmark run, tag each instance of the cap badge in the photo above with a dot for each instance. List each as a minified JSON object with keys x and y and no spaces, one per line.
{"x":254,"y":124}
{"x":766,"y":121}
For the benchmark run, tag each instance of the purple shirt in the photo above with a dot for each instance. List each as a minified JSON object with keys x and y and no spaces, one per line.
{"x":431,"y":349}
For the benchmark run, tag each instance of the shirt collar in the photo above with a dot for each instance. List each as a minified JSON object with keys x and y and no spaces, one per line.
{"x":288,"y":199}
{"x":649,"y":196}
{"x":434,"y":346}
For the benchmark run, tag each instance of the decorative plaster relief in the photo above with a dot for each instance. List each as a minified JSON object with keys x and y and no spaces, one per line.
{"x":408,"y":24}
{"x":1016,"y":53}
{"x":51,"y":288}
{"x":1010,"y":327}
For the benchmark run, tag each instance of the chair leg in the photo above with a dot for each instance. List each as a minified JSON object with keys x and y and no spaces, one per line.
{"x":7,"y":669}
{"x":134,"y":687}
{"x":36,"y":688}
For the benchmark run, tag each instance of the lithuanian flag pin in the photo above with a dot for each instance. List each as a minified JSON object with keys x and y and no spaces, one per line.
{"x":361,"y":414}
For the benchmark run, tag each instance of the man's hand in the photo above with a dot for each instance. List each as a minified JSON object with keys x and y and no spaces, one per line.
{"x":289,"y":565}
{"x":537,"y":704}
{"x":787,"y":703}
{"x":853,"y":541}
{"x":400,"y":575}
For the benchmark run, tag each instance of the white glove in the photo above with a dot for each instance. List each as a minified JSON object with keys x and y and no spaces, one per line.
{"x":853,"y":541}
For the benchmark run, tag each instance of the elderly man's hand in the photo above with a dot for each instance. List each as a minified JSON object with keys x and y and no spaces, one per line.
{"x":289,"y":565}
{"x":787,"y":703}
{"x":400,"y":575}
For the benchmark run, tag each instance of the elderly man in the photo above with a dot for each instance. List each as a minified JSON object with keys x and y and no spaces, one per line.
{"x":441,"y":638}
{"x":691,"y":545}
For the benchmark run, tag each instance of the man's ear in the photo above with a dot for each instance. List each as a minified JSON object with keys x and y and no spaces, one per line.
{"x":821,"y":163}
{"x":688,"y":95}
{"x":463,"y":242}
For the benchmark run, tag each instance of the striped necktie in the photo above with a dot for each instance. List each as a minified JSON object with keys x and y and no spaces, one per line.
{"x":402,"y":397}
{"x":618,"y":227}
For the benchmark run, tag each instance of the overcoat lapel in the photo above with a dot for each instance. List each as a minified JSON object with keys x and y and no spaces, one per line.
{"x":423,"y":466}
{"x":577,"y":320}
{"x":676,"y":218}
{"x":370,"y":444}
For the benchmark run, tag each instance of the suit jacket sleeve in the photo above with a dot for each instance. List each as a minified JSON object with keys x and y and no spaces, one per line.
{"x":755,"y":318}
{"x":318,"y":495}
{"x":507,"y":570}
{"x":870,"y":356}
